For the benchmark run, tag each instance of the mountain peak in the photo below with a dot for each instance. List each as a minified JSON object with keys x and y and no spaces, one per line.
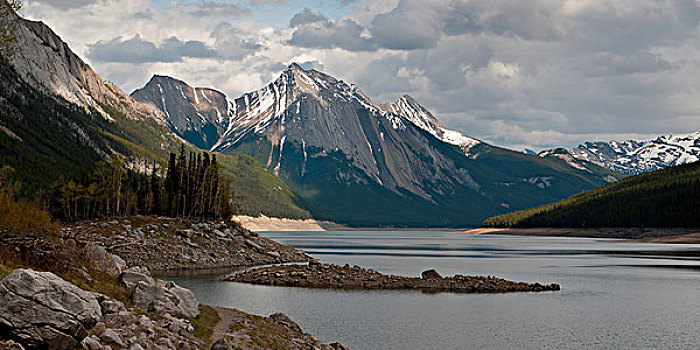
{"x":196,"y":114}
{"x":295,"y":66}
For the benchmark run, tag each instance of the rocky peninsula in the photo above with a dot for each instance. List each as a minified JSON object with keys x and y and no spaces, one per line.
{"x":317,"y":275}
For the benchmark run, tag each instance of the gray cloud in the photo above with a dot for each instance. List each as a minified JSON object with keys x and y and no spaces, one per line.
{"x":218,"y":9}
{"x":232,"y":44}
{"x":261,"y":2}
{"x":67,"y":4}
{"x":136,"y":50}
{"x":413,"y":24}
{"x":306,"y":16}
{"x":346,"y":34}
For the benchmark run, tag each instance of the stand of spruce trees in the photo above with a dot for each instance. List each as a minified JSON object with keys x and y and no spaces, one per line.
{"x":190,"y":187}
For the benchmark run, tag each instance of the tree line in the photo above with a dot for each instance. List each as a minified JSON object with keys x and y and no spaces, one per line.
{"x":189,"y":187}
{"x":664,"y":198}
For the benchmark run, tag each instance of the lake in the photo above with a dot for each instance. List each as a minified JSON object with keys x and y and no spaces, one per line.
{"x":614,"y":294}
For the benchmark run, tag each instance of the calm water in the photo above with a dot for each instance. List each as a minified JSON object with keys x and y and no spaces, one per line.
{"x":614,"y":295}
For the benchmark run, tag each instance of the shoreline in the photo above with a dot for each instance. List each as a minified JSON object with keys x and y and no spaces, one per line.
{"x":632,"y":235}
{"x":271,"y":224}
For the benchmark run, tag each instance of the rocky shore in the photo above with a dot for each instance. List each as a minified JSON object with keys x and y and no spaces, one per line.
{"x":89,"y":286}
{"x":317,"y":275}
{"x":39,"y":310}
{"x":164,"y":244}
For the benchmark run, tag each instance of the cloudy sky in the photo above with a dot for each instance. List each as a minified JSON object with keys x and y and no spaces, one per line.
{"x":535,"y":73}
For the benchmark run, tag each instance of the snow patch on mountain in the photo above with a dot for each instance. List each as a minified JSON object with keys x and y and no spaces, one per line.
{"x":410,"y":109}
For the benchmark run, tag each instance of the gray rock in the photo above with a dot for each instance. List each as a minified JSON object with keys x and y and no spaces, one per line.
{"x":105,"y":261}
{"x":131,"y":277}
{"x":146,"y":323}
{"x":91,"y":343}
{"x":185,"y":233}
{"x":111,"y":306}
{"x":254,"y":245}
{"x":431,"y":274}
{"x":222,"y":344}
{"x":180,"y":326}
{"x":284,"y":320}
{"x":169,"y":298}
{"x":110,"y":337}
{"x":41,"y":310}
{"x":219,"y":234}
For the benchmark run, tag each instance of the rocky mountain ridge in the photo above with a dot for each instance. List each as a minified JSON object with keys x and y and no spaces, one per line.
{"x":336,"y":147}
{"x":636,"y":157}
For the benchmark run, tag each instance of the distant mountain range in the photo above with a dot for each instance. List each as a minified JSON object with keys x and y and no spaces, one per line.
{"x":362,"y":163}
{"x":664,"y":198}
{"x":635,"y":157}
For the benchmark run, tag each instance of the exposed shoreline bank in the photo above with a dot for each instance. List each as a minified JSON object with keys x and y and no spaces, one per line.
{"x":264,"y":223}
{"x":636,"y":235}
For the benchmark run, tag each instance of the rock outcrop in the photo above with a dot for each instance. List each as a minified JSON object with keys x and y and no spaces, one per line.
{"x":317,"y":275}
{"x":41,"y":310}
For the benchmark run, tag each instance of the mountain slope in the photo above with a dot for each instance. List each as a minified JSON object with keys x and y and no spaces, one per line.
{"x":664,"y":198}
{"x":360,"y":163}
{"x":636,"y":157}
{"x":197,"y":115}
{"x":58,"y":117}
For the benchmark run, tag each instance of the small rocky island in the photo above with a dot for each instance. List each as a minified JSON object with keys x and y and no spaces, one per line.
{"x":317,"y":275}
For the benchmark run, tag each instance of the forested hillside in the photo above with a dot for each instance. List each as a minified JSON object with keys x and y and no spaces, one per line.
{"x":664,"y":198}
{"x":46,"y":139}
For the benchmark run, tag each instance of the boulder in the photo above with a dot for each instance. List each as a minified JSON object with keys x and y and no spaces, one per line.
{"x":431,"y":274}
{"x":285,"y":321}
{"x":185,"y":233}
{"x":105,"y":261}
{"x":110,"y":337}
{"x":131,"y":277}
{"x":186,"y":299}
{"x":41,"y":310}
{"x":165,"y":298}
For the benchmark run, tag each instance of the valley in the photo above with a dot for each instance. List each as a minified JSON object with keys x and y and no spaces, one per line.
{"x":171,"y":171}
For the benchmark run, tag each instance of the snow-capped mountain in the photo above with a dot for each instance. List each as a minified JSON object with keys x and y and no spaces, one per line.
{"x":410,"y":109}
{"x":636,"y":157}
{"x":359,"y":162}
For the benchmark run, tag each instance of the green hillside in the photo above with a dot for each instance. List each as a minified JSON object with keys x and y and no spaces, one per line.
{"x":664,"y":198}
{"x":45,"y":138}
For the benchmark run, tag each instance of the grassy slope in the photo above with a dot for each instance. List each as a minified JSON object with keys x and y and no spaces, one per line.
{"x":664,"y":198}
